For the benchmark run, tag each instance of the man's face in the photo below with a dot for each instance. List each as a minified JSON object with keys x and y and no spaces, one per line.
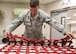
{"x":34,"y":10}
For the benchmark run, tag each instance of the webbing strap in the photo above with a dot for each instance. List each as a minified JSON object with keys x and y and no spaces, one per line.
{"x":27,"y":50}
{"x":44,"y":48}
{"x":9,"y":49}
{"x":3,"y":48}
{"x":55,"y":50}
{"x":36,"y":50}
{"x":18,"y":51}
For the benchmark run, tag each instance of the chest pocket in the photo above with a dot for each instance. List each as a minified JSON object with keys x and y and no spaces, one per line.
{"x":39,"y":22}
{"x":27,"y":22}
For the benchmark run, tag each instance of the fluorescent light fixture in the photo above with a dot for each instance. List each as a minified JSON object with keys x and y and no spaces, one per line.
{"x":68,"y":18}
{"x":74,"y":14}
{"x":72,"y":22}
{"x":17,"y":11}
{"x":68,"y":23}
{"x":66,"y":1}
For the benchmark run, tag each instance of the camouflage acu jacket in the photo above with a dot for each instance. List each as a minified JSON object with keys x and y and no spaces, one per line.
{"x":33,"y":25}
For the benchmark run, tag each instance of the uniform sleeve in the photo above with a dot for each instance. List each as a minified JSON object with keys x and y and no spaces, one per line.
{"x":52,"y":22}
{"x":18,"y":21}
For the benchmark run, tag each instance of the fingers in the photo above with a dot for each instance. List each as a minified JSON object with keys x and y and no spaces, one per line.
{"x":6,"y":33}
{"x":71,"y":36}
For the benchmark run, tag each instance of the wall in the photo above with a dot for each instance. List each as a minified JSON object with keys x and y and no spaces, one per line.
{"x":57,"y":5}
{"x":54,"y":6}
{"x":55,"y":34}
{"x":50,"y":7}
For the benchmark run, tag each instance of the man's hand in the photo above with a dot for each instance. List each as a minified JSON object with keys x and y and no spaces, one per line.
{"x":6,"y":32}
{"x":69,"y":34}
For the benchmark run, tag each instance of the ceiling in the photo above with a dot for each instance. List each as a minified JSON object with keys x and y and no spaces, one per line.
{"x":27,"y":1}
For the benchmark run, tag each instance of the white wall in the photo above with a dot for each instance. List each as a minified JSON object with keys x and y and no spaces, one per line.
{"x":58,"y":5}
{"x":53,"y":6}
{"x":48,"y":9}
{"x":55,"y":34}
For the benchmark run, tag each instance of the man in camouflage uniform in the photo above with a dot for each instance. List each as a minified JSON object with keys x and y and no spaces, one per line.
{"x":33,"y":20}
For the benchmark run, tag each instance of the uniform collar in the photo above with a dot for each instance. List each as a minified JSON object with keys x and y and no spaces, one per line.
{"x":35,"y":17}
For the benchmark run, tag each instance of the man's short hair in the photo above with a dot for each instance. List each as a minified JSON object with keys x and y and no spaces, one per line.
{"x":34,"y":3}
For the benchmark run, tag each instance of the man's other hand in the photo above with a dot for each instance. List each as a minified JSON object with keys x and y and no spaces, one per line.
{"x":6,"y":32}
{"x":69,"y":34}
